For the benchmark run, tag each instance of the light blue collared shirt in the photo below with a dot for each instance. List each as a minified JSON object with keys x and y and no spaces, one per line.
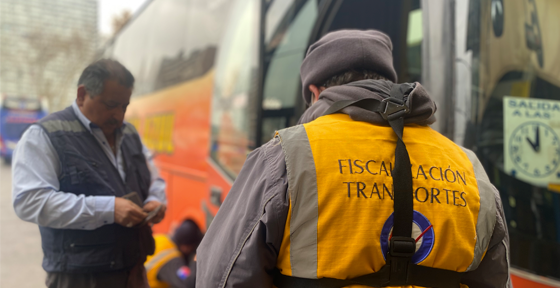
{"x":35,"y":173}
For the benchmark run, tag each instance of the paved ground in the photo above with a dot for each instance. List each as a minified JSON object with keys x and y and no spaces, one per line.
{"x":20,"y":243}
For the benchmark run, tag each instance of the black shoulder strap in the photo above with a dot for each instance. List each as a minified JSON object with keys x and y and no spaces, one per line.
{"x":399,"y":270}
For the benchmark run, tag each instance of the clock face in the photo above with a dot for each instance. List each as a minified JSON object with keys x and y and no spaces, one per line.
{"x":535,"y":149}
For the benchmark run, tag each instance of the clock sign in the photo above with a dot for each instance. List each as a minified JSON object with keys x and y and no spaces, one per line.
{"x":531,"y":146}
{"x":531,"y":141}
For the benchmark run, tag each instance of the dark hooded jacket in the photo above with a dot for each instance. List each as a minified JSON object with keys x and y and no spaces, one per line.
{"x":241,"y":246}
{"x":422,"y":108}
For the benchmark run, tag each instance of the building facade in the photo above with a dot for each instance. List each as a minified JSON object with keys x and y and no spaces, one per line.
{"x":43,"y":47}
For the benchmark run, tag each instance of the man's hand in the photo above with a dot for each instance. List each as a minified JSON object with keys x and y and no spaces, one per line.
{"x":153,"y":205}
{"x":127,"y":213}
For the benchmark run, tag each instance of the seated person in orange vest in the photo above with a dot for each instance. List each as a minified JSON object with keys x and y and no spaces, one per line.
{"x":172,"y":264}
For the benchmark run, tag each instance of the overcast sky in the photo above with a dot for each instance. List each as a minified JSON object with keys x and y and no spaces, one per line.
{"x":109,"y":8}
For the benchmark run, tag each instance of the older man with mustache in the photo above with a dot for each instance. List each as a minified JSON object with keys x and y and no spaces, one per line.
{"x":83,"y":175}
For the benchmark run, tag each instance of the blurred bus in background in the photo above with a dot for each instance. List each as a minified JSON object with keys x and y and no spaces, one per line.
{"x":16,"y":114}
{"x":216,"y":78}
{"x":513,"y":57}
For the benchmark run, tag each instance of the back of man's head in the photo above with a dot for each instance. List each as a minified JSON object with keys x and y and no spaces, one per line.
{"x":94,"y":76}
{"x":347,"y":54}
{"x":187,"y":233}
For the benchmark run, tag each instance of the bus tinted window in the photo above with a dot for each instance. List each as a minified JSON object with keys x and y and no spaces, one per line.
{"x":287,"y":46}
{"x":278,"y":9}
{"x":180,"y":47}
{"x":393,"y":18}
{"x":282,"y":78}
{"x":234,"y":89}
{"x":284,"y":55}
{"x":414,"y":45}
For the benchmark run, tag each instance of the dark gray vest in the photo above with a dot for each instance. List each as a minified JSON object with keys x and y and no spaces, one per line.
{"x":86,"y":170}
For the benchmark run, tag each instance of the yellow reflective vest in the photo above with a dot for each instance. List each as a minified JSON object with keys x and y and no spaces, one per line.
{"x":341,"y":199}
{"x":165,"y":251}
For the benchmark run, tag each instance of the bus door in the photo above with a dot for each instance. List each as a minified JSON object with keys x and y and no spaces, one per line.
{"x":288,"y":26}
{"x":291,"y":26}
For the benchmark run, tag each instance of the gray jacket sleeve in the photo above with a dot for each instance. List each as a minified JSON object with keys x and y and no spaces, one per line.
{"x":493,"y":271}
{"x":241,"y":246}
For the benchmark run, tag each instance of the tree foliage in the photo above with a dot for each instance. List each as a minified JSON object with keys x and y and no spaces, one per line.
{"x":53,"y":61}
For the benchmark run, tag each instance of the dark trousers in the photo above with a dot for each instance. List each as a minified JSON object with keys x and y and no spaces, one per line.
{"x":134,"y":278}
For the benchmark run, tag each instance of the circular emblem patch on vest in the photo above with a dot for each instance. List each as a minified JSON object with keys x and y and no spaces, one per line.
{"x":184,"y":272}
{"x":422,"y":232}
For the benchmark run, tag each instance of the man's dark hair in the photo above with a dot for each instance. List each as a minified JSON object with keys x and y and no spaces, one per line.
{"x":351,"y":76}
{"x":187,"y":233}
{"x":95,"y":75}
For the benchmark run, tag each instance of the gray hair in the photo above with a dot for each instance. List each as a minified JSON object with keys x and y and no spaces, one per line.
{"x":95,"y":75}
{"x":351,"y":76}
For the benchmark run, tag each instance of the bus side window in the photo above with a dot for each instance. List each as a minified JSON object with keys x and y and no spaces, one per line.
{"x":285,"y":51}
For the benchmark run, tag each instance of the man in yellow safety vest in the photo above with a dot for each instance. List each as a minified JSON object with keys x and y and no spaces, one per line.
{"x":362,"y":194}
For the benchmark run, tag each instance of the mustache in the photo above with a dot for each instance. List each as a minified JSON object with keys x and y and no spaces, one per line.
{"x":112,"y":122}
